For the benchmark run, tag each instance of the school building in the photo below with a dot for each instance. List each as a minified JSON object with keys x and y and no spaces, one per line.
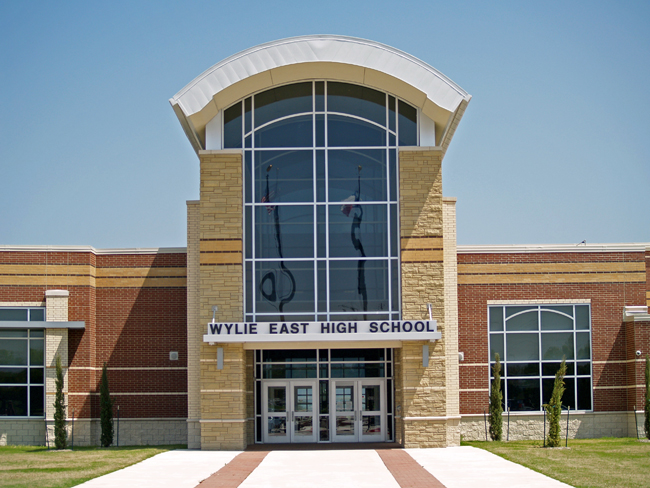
{"x":322,"y":297}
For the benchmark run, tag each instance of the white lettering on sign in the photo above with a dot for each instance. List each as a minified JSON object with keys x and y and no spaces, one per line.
{"x":322,"y":331}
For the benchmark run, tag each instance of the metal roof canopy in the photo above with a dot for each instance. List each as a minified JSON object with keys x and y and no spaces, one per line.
{"x":330,"y":57}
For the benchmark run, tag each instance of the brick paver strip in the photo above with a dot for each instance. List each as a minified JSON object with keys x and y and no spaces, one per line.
{"x":406,"y":471}
{"x":236,"y":471}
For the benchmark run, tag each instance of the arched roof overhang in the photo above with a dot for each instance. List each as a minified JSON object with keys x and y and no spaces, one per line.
{"x":320,"y":57}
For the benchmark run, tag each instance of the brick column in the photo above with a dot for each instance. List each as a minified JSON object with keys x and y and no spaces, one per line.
{"x":422,"y":393}
{"x":56,"y":344}
{"x":226,"y":401}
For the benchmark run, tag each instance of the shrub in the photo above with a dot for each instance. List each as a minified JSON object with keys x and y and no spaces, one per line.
{"x":106,"y":414}
{"x":496,"y":405}
{"x":60,"y":435}
{"x":554,"y":407}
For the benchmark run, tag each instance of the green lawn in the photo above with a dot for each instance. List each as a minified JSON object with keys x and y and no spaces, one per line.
{"x":30,"y":466}
{"x":606,"y":463}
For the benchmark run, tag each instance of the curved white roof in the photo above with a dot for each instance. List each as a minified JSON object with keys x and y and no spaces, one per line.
{"x":357,"y":60}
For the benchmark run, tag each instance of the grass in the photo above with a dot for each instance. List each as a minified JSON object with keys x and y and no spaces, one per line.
{"x":606,"y":462}
{"x":29,"y":466}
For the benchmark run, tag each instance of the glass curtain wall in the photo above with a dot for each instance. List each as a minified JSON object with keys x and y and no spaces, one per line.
{"x":321,"y":193}
{"x":22,"y":365}
{"x":531,"y":342}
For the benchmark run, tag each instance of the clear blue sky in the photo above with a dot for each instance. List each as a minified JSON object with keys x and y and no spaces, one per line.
{"x":554,"y":146}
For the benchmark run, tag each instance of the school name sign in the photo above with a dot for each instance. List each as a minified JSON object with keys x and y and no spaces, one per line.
{"x":375,"y":330}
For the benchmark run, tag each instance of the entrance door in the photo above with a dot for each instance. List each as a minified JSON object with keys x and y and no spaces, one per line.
{"x":290,"y":411}
{"x":358,"y":408}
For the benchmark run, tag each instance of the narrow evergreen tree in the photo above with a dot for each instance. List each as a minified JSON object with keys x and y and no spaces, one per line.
{"x":106,"y":414}
{"x":60,"y":435}
{"x":496,"y":406}
{"x":554,"y":407}
{"x":646,"y":424}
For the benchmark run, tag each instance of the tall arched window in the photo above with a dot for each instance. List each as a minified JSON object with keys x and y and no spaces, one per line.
{"x":321,"y":195}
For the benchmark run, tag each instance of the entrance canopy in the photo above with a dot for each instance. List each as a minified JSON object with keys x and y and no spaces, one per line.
{"x":320,"y":57}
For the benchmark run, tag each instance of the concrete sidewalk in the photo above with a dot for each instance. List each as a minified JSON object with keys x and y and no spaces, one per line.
{"x":454,"y":467}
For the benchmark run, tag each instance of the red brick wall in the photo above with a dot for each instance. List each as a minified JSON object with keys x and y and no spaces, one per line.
{"x":608,"y":298}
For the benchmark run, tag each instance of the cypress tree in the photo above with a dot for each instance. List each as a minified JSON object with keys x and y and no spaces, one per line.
{"x":646,"y":424}
{"x":106,"y":414}
{"x":60,"y":435}
{"x":496,"y":406}
{"x":554,"y":407}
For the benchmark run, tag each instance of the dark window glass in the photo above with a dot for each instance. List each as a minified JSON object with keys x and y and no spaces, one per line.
{"x":322,"y":287}
{"x":248,"y":273}
{"x":583,"y":348}
{"x":324,"y":428}
{"x":320,"y":96}
{"x":525,"y":321}
{"x":394,"y":234}
{"x":568,"y":398}
{"x":523,"y":395}
{"x":496,"y":346}
{"x":321,"y":236}
{"x":394,"y":181}
{"x":247,"y":115}
{"x":584,"y":393}
{"x":324,"y":397}
{"x":357,"y":355}
{"x":281,"y":371}
{"x":357,"y":175}
{"x":408,"y":125}
{"x":496,"y":318}
{"x":13,"y":332}
{"x":345,"y":131}
{"x":281,"y":102}
{"x":13,"y":401}
{"x":359,"y":231}
{"x":391,"y":113}
{"x":395,"y":287}
{"x":320,"y":176}
{"x":291,"y":132}
{"x":582,"y":317}
{"x":358,"y":285}
{"x":323,"y":355}
{"x":13,"y":352}
{"x":555,"y":321}
{"x":248,"y":212}
{"x":523,"y":369}
{"x":523,"y":347}
{"x":557,"y":346}
{"x":258,"y":428}
{"x":357,"y":100}
{"x":36,"y":401}
{"x":13,"y":314}
{"x":549,"y":369}
{"x":36,"y":333}
{"x":36,"y":356}
{"x":35,"y":375}
{"x":286,"y":232}
{"x":389,"y":396}
{"x":290,"y":356}
{"x":284,"y":287}
{"x":37,"y":315}
{"x":284,"y":176}
{"x":248,"y":187}
{"x":584,"y":368}
{"x":232,"y":126}
{"x":14,"y":375}
{"x":320,"y":130}
{"x":357,"y":370}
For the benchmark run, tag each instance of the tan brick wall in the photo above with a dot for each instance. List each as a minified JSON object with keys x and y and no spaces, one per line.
{"x":194,"y":327}
{"x":451,"y":318}
{"x":226,"y":395}
{"x":422,"y":393}
{"x":56,"y":344}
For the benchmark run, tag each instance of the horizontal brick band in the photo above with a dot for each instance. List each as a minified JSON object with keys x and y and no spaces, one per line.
{"x":498,"y":279}
{"x":421,"y":242}
{"x":427,"y":256}
{"x":512,"y":268}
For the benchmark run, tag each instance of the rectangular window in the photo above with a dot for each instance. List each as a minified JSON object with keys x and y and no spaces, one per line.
{"x":531,"y":342}
{"x":22,"y":364}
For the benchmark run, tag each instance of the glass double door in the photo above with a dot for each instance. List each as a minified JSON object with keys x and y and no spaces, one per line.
{"x":358,"y":408}
{"x":290,"y":411}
